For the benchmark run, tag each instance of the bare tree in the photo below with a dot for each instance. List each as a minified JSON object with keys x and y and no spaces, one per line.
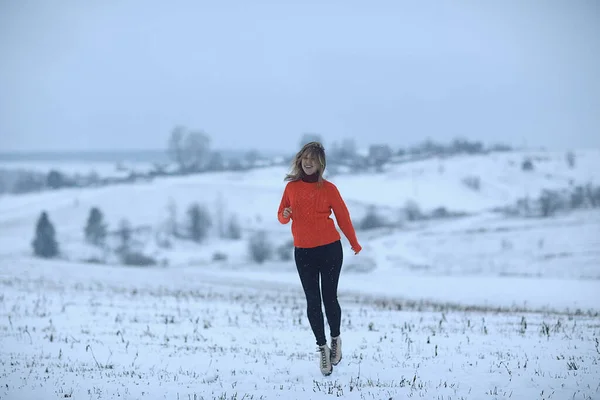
{"x":570,"y":156}
{"x":196,"y":151}
{"x":176,"y":146}
{"x":172,"y":226}
{"x":310,"y":137}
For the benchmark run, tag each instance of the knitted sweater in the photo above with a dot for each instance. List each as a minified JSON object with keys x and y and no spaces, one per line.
{"x":311,"y":207}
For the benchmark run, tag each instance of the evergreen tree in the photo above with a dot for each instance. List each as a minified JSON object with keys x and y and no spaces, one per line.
{"x":95,"y":230}
{"x":44,"y":244}
{"x":199,"y":222}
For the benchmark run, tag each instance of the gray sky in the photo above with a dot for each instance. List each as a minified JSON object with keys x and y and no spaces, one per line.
{"x":121,"y":74}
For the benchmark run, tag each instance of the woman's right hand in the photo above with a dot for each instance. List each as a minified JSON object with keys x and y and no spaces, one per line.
{"x":287,"y":212}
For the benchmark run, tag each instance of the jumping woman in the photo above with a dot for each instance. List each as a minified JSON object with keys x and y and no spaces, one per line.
{"x":307,"y":201}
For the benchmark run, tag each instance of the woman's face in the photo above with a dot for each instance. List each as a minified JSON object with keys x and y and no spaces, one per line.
{"x":310,"y":164}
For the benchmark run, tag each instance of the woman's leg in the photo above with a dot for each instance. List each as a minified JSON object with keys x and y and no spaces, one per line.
{"x":309,"y":276}
{"x":331,"y":265}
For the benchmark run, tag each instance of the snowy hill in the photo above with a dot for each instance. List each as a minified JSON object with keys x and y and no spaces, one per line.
{"x":253,"y":197}
{"x":485,"y":305}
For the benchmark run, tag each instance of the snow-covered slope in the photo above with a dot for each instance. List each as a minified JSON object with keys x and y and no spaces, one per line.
{"x":439,"y":182}
{"x":480,"y":244}
{"x":426,"y":306}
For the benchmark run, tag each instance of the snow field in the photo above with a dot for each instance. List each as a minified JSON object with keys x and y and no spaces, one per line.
{"x":82,"y":331}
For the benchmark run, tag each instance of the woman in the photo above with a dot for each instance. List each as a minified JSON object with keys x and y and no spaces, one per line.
{"x":307,"y":201}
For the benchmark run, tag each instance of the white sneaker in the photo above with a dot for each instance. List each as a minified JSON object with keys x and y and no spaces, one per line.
{"x":336,"y":350}
{"x":325,"y":360}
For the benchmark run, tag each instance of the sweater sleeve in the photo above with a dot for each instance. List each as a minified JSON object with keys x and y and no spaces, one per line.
{"x":285,"y":202}
{"x":342,"y":215}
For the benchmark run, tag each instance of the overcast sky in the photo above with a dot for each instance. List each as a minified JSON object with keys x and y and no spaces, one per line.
{"x":108,"y":74}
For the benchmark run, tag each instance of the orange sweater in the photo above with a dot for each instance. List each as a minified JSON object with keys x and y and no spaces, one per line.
{"x":311,"y":207}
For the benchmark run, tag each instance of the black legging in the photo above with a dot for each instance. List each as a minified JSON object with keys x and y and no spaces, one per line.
{"x":326,"y":262}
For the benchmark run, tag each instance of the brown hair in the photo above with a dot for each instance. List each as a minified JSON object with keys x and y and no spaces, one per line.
{"x":314,"y":149}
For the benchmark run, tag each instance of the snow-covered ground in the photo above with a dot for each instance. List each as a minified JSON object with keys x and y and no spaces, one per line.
{"x":97,"y":332}
{"x":483,"y":306}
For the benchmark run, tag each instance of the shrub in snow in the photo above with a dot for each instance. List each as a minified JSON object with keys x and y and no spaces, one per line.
{"x":550,"y":202}
{"x":219,"y":256}
{"x":95,"y":229}
{"x":234,"y":229}
{"x":45,"y":244}
{"x":199,"y":222}
{"x":472,"y":182}
{"x":577,"y":197}
{"x":124,"y":233}
{"x":413,"y":211}
{"x":137,"y":259}
{"x":593,"y":195}
{"x":286,"y":251}
{"x":25,"y":182}
{"x":94,"y":260}
{"x":527,"y":165}
{"x":260,"y":248}
{"x":440,"y":212}
{"x":372,"y":220}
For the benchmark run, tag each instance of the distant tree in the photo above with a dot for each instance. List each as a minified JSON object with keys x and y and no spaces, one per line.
{"x":460,"y":145}
{"x":125,"y":234}
{"x":196,"y":151}
{"x":527,"y":165}
{"x":199,"y":222}
{"x":500,"y":147}
{"x":578,"y":197}
{"x":348,"y":149}
{"x":234,"y":229}
{"x":412,"y":210}
{"x":593,"y":195}
{"x":335,"y":151}
{"x":251,"y":157}
{"x":92,"y":178}
{"x":372,"y":220}
{"x":172,"y":226}
{"x":570,"y":156}
{"x":310,"y":137}
{"x":344,"y":151}
{"x":549,"y":203}
{"x":432,"y":148}
{"x":286,"y":251}
{"x":45,"y":244}
{"x":56,"y":180}
{"x":28,"y":182}
{"x":95,"y":229}
{"x":440,"y":212}
{"x":379,"y":155}
{"x":220,"y":213}
{"x":216,"y":161}
{"x":175,"y":146}
{"x":260,"y":247}
{"x":235,"y":165}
